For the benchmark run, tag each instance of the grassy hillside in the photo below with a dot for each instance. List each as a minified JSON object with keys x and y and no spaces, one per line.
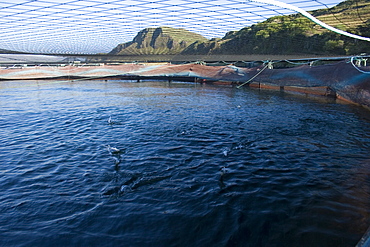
{"x":295,"y":34}
{"x":346,"y":15}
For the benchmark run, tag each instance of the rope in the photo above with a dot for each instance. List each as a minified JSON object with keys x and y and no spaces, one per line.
{"x":259,"y":72}
{"x":365,"y":72}
{"x":296,"y":63}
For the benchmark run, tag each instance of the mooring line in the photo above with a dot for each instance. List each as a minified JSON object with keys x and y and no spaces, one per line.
{"x":259,"y":72}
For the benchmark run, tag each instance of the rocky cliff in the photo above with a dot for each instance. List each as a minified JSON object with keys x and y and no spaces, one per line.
{"x":156,"y":41}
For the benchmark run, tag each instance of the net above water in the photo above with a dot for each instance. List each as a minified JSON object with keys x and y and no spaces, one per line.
{"x":97,"y":26}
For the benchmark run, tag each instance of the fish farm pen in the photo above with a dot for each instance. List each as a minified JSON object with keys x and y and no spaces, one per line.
{"x":185,"y":123}
{"x":343,"y":78}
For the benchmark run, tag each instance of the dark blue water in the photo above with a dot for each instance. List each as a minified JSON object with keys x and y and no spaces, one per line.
{"x":196,"y":166}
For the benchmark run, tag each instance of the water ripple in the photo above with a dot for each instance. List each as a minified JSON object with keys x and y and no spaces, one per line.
{"x":106,"y":162}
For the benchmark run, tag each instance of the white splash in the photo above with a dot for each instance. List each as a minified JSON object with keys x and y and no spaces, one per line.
{"x":113,"y":150}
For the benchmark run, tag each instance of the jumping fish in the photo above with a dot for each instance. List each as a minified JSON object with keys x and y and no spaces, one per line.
{"x":113,"y":150}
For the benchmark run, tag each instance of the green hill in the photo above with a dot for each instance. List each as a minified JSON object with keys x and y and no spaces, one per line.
{"x":295,"y":34}
{"x":279,"y":35}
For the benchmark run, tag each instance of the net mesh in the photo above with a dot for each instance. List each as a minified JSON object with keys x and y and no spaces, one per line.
{"x":97,"y":26}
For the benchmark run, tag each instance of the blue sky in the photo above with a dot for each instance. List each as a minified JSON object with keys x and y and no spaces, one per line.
{"x":93,"y":26}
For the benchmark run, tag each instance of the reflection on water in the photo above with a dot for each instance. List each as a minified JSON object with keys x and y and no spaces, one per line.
{"x":112,"y":163}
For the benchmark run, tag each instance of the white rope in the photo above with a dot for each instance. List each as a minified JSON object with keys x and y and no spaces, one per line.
{"x":311,"y":17}
{"x":365,"y":72}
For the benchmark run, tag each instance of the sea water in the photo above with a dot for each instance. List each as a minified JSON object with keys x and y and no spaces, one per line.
{"x":117,"y":163}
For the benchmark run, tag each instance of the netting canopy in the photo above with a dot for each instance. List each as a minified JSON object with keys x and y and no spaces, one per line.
{"x":97,"y":26}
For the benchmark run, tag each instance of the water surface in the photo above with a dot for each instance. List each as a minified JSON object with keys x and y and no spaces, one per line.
{"x":197,"y":165}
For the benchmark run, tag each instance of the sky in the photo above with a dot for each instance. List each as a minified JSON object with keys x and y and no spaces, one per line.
{"x":97,"y":26}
